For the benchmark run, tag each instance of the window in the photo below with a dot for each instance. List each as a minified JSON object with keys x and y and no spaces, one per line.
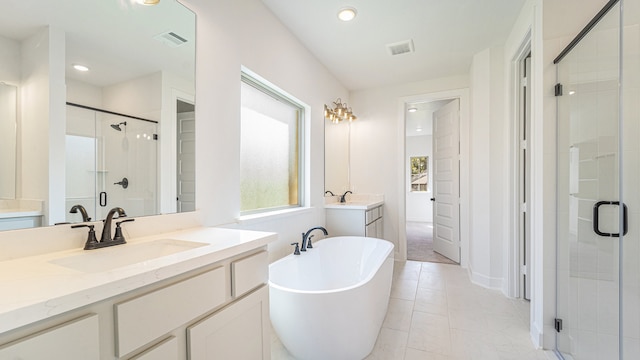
{"x":270,"y":148}
{"x":419,"y":173}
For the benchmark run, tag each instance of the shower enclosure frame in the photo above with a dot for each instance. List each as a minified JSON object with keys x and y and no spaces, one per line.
{"x":577,"y":197}
{"x":134,"y":160}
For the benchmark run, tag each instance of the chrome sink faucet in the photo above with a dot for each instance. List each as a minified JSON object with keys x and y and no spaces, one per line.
{"x":306,"y":239}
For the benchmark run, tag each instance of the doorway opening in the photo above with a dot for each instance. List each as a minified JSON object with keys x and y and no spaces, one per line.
{"x":432,"y":168}
{"x":185,"y":156}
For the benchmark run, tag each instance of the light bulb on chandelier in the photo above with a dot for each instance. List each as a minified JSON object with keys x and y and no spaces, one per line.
{"x":340,"y":112}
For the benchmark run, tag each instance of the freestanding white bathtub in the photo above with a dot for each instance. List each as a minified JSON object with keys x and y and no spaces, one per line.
{"x":330,"y":302}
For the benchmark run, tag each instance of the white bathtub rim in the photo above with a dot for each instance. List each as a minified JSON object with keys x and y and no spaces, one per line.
{"x":360,"y":283}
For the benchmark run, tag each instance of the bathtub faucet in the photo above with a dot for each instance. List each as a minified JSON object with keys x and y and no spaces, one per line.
{"x":306,"y":239}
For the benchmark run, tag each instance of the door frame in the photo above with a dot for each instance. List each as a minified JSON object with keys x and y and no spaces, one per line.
{"x":515,"y":245}
{"x":167,"y":168}
{"x":463,"y":96}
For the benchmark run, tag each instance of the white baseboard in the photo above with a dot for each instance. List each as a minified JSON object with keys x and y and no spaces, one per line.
{"x":489,"y":282}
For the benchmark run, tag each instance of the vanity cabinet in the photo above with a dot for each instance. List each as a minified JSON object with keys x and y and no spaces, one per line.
{"x":355,"y":221}
{"x":225,"y":303}
{"x":235,"y":332}
{"x":73,"y":340}
{"x":166,"y":350}
{"x":145,"y":318}
{"x":20,"y":222}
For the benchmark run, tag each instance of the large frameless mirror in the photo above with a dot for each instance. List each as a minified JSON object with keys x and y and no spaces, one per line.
{"x":103,"y":115}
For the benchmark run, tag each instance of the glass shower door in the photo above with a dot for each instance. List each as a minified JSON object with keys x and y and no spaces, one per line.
{"x":589,"y":195}
{"x":128,"y":149}
{"x":111,"y":162}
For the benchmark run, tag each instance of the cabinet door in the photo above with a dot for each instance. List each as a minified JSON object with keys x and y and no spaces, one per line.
{"x":75,"y":340}
{"x":166,"y":350}
{"x":240,"y":331}
{"x":146,"y":318}
{"x":379,"y":229}
{"x":371,"y":230}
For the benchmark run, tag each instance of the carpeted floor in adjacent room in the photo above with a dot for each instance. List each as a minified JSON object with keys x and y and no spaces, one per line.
{"x":420,"y":243}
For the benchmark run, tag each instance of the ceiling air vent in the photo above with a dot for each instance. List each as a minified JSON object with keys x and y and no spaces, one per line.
{"x":170,"y":39}
{"x":402,"y":47}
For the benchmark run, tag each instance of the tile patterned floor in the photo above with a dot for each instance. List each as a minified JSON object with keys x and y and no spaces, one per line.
{"x":420,"y":243}
{"x":436,"y":313}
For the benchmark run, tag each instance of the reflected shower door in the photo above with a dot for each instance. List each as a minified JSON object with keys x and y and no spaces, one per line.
{"x":128,"y":149}
{"x":111,"y":162}
{"x":589,"y":223}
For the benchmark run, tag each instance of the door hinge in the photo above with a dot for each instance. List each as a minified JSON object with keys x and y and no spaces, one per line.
{"x":523,"y":269}
{"x":523,"y":207}
{"x":558,"y":324}
{"x":155,"y":136}
{"x":523,"y":144}
{"x":524,"y":82}
{"x":558,"y":89}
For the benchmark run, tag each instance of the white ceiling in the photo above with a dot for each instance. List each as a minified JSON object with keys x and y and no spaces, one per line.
{"x":114,"y":38}
{"x":445,"y":33}
{"x":420,"y":122}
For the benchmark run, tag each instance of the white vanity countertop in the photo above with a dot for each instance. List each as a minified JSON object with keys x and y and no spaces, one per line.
{"x":354,"y":202}
{"x":33,"y":288}
{"x":354,"y":205}
{"x":13,"y":213}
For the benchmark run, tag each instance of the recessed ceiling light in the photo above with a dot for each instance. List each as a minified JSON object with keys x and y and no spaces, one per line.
{"x":347,"y":14}
{"x":80,"y":67}
{"x":572,"y":92}
{"x":419,"y":129}
{"x":412,"y":109}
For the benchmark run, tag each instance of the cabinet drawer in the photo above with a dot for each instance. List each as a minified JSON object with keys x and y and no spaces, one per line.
{"x":146,"y":318}
{"x":373,"y":214}
{"x":75,"y":340}
{"x":249,"y":273}
{"x":166,"y":350}
{"x":239,"y":331}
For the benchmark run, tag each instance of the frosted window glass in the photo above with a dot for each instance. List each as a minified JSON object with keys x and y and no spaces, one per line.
{"x":269,"y":151}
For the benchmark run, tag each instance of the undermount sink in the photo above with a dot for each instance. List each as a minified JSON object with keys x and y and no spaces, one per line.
{"x":92,"y":261}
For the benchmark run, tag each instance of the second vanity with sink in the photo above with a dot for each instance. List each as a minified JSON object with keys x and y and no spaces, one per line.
{"x":359,"y":215}
{"x":171,"y":295}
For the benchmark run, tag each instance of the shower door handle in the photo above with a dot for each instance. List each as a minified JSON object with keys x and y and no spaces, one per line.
{"x":596,"y":216}
{"x":103,"y":198}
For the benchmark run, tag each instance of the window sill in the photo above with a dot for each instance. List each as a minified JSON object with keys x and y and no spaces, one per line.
{"x":272,"y":215}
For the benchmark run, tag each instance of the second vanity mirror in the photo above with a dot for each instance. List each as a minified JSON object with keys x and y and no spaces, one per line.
{"x":336,"y":157}
{"x":103,"y":95}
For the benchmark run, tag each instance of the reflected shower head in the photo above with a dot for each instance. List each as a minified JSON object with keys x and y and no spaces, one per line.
{"x":117,"y":126}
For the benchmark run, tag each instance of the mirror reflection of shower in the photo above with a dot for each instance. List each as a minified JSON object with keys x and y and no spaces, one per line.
{"x":125,"y":140}
{"x":117,"y":126}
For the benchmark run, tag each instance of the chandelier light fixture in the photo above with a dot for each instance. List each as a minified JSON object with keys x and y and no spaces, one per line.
{"x":340,"y":112}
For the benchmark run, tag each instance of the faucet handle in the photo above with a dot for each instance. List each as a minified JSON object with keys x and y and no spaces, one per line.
{"x":296,"y":251}
{"x":118,"y":236}
{"x":309,"y":245}
{"x":92,"y":242}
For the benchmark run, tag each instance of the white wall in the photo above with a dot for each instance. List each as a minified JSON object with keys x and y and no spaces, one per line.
{"x":488,"y":180}
{"x":10,"y":60}
{"x":42,"y":122}
{"x":8,"y":123}
{"x":418,"y":203}
{"x":232,"y":34}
